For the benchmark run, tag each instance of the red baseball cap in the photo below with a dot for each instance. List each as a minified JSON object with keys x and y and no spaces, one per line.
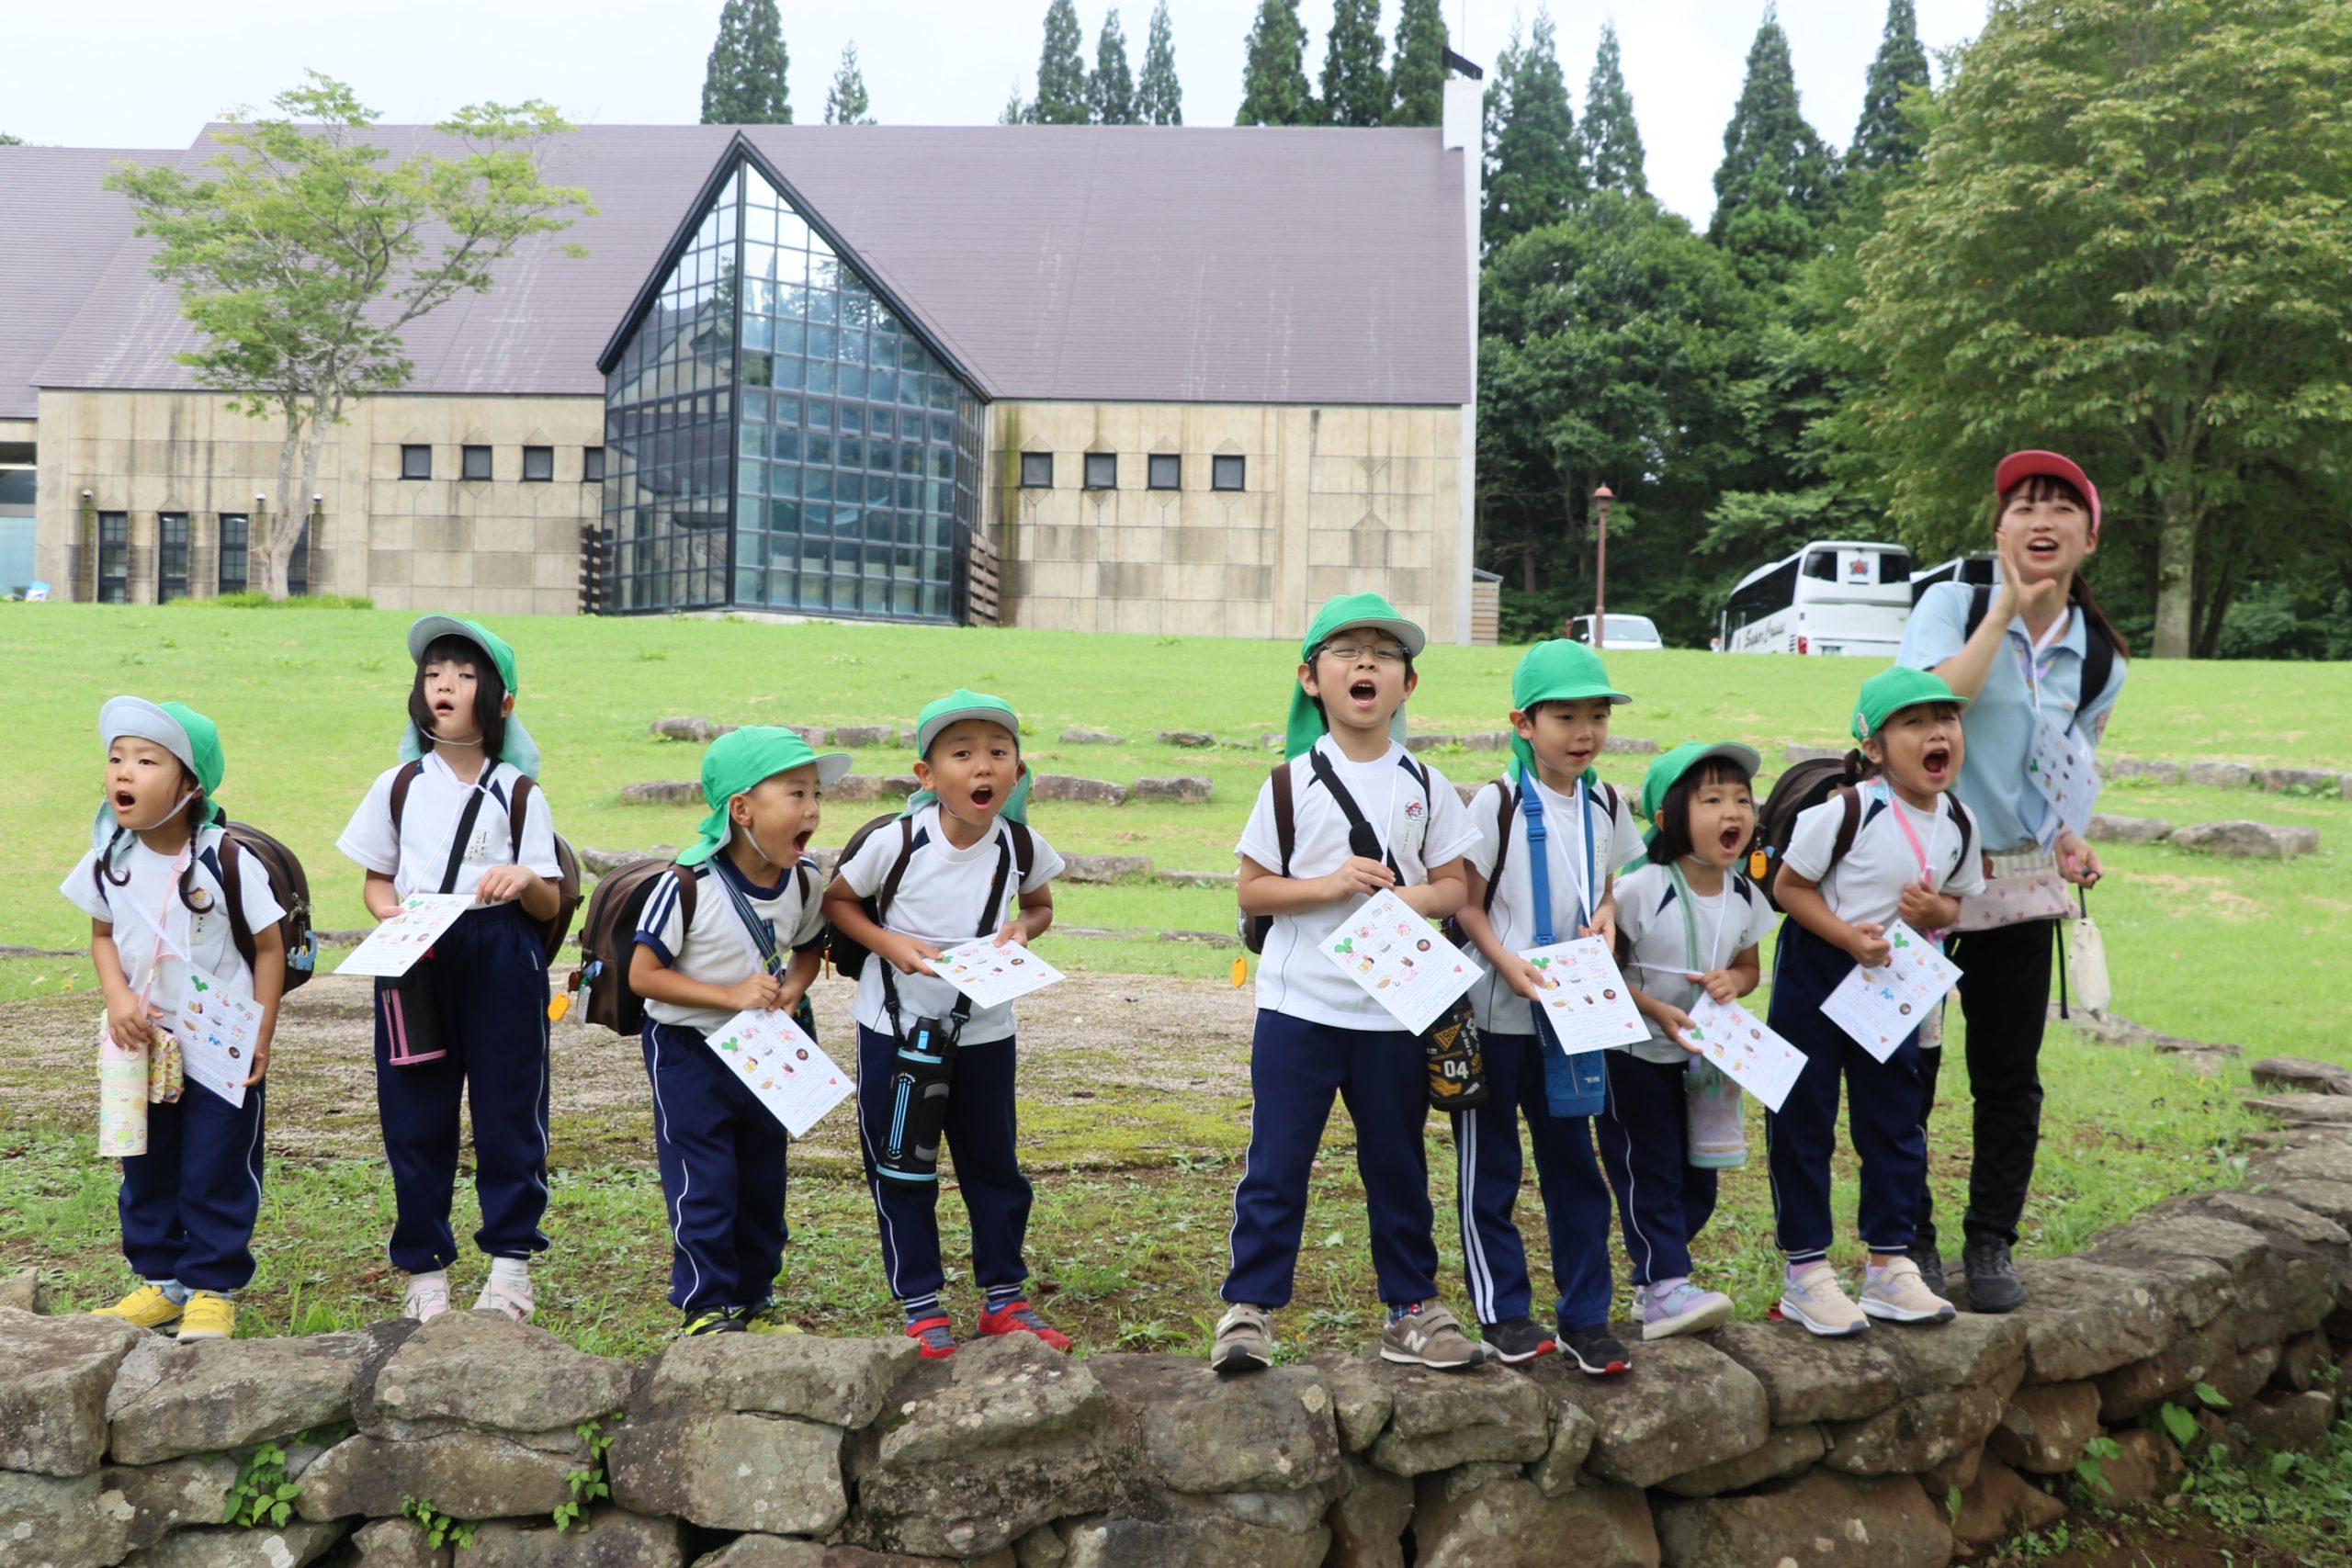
{"x":2019,"y":467}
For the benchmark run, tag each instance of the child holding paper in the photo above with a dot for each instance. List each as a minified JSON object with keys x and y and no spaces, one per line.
{"x":1908,"y":858}
{"x":960,"y":861}
{"x":159,"y":915}
{"x":1688,"y":926}
{"x":1319,"y":1033}
{"x":721,"y":1151}
{"x":472,"y":1017}
{"x":1561,"y":701}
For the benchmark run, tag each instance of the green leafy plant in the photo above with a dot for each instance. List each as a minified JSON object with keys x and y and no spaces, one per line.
{"x":439,"y":1529}
{"x":1952,"y":1506}
{"x":2177,"y":1423}
{"x":588,"y":1484}
{"x":2208,"y":1394}
{"x":2087,"y":1469}
{"x":261,"y":1494}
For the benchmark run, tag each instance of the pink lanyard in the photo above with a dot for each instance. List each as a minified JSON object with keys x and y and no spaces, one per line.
{"x":2034,"y":665}
{"x":163,"y":913}
{"x":1918,"y":852}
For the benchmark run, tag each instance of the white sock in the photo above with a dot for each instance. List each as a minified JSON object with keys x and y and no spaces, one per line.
{"x":430,"y":1277}
{"x":510,"y":1270}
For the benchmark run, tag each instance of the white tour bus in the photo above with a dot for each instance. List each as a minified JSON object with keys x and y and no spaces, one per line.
{"x":1833,"y":596}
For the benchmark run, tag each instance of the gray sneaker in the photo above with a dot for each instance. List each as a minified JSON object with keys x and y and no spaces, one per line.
{"x":1245,"y":1341}
{"x":1931,"y":1266}
{"x":1429,"y":1336}
{"x":1993,"y":1282}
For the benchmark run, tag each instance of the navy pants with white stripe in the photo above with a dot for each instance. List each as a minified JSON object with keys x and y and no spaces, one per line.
{"x":1295,"y":1069}
{"x":1576,"y":1199}
{"x":491,"y":993}
{"x":979,"y":1144}
{"x":722,"y":1158}
{"x":187,"y":1204}
{"x":1662,"y":1199}
{"x":1882,"y":1111}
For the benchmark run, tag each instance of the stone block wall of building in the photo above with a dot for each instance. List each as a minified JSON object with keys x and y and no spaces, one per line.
{"x":1333,"y":499}
{"x":504,"y":545}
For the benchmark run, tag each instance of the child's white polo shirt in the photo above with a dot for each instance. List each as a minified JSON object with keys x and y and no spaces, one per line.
{"x":1422,"y":823}
{"x":199,"y":936}
{"x":415,"y":857}
{"x":717,"y":950}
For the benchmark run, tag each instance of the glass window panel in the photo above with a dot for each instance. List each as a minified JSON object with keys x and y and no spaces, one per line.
{"x":816,"y":484}
{"x":882,"y":454}
{"x":1102,"y":470}
{"x":853,"y":346}
{"x":785,"y":371}
{"x":783,"y":410}
{"x":752,"y":442}
{"x":791,"y":231}
{"x":910,"y":354}
{"x":755,"y":405}
{"x":752,"y":479}
{"x":850,"y":450}
{"x":759,"y":261}
{"x":824,"y":304}
{"x":910,"y":495}
{"x":791,"y":300}
{"x":783,"y":478}
{"x":750,"y":549}
{"x":817,"y":449}
{"x":844,"y":593}
{"x":819,"y":374}
{"x":474,"y":462}
{"x":822,"y":342}
{"x":416,"y":462}
{"x":877,"y":489}
{"x":1227,"y":472}
{"x":791,"y":337}
{"x":943,"y":429}
{"x":851,"y":380}
{"x":784,"y":516}
{"x":756,"y":333}
{"x":1164,"y":470}
{"x":882,"y":386}
{"x":785,"y":445}
{"x":935,"y":600}
{"x":850,"y":417}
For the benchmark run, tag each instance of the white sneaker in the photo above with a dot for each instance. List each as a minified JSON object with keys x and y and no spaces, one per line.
{"x":510,"y":1296}
{"x":1900,"y":1295}
{"x":1813,"y":1300}
{"x":427,"y":1297}
{"x":1686,"y":1309}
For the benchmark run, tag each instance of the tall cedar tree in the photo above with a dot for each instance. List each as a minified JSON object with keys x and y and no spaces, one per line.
{"x":1884,"y":138}
{"x":1611,"y":140}
{"x":1774,"y":186}
{"x":2127,"y":243}
{"x":1110,"y":90}
{"x":1061,"y":70}
{"x":1417,"y":75}
{"x":847,"y":103}
{"x":1273,"y":83}
{"x":1355,"y":89}
{"x":1532,"y":166}
{"x":1017,"y":110}
{"x":744,"y":82}
{"x":1160,"y":97}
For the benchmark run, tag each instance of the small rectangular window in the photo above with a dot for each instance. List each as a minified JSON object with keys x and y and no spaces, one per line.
{"x":1037,"y":470}
{"x":1102,"y":470}
{"x":114,"y":557}
{"x":1166,"y":471}
{"x":538,"y":465}
{"x":298,"y":563}
{"x":416,"y":462}
{"x":591,"y":465}
{"x":1227,"y":473}
{"x":171,"y":557}
{"x":231,"y":578}
{"x":473,"y":462}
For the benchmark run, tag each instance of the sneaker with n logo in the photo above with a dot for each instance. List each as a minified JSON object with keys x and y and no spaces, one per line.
{"x":1426,"y":1334}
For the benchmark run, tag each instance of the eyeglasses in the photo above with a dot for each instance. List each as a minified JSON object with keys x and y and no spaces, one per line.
{"x":1349,"y":652}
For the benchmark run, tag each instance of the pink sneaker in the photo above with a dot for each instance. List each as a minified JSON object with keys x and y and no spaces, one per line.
{"x":512,"y":1297}
{"x":427,"y":1297}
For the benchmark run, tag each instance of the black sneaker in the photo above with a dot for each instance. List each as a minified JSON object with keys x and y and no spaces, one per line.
{"x":1931,"y":1266}
{"x":1517,"y":1340}
{"x":1993,"y":1282}
{"x":1596,"y":1352}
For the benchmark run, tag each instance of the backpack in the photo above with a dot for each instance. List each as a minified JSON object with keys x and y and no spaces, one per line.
{"x":1452,"y":925}
{"x":609,"y":937}
{"x":2098,"y":654}
{"x":1254,"y":929}
{"x":1797,"y":791}
{"x":288,"y":883}
{"x":555,"y":927}
{"x":849,"y":955}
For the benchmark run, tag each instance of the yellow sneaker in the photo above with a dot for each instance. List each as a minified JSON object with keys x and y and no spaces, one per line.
{"x":768,"y":1318}
{"x":147,"y":1306}
{"x":208,"y":1317}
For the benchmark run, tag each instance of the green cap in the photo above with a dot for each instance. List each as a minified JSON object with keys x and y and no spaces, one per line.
{"x":742,"y":760}
{"x":1666,"y":769}
{"x":1339,"y":612}
{"x":520,"y":750}
{"x":1890,"y":691}
{"x":1558,"y":670}
{"x":177,"y":728}
{"x":963,"y":703}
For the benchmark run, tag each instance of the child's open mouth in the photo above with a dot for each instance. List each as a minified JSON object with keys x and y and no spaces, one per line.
{"x":1729,"y":838}
{"x":1936,"y":761}
{"x":983,"y":794}
{"x":800,"y":840}
{"x":1362,"y":692}
{"x":124,"y":800}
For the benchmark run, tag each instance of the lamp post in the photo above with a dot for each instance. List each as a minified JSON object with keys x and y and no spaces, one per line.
{"x":1601,"y":498}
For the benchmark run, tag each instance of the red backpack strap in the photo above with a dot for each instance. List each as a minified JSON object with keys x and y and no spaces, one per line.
{"x":1285,"y":815}
{"x":514,"y":799}
{"x":232,"y":889}
{"x":400,"y":783}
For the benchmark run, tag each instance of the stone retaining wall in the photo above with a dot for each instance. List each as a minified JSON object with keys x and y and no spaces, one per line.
{"x":1755,"y":1444}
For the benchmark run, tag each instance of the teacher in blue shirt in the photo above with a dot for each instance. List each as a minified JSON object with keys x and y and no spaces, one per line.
{"x":2043,"y":668}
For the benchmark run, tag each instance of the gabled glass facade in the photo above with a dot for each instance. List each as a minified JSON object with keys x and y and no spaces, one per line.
{"x":776,"y":439}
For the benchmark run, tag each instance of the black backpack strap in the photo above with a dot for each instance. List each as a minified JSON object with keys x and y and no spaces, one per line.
{"x":1980,"y":605}
{"x":457,"y":841}
{"x":1358,"y":825}
{"x":686,"y":883}
{"x":889,"y":889}
{"x":1503,"y":814}
{"x":229,"y":869}
{"x":1285,"y":815}
{"x":402,"y":782}
{"x":2098,"y":654}
{"x":1024,"y":850}
{"x":1967,"y":826}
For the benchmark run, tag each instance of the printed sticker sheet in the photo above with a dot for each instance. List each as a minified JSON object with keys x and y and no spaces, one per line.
{"x":1880,"y":1007}
{"x":217,"y":1029}
{"x":786,"y":1070}
{"x":1401,"y":961}
{"x":1586,"y":999}
{"x":2063,"y":767}
{"x":992,"y":975}
{"x":1746,"y":1050}
{"x":393,"y":947}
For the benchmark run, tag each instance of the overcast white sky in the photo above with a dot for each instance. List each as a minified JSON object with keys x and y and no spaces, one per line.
{"x":150,"y":72}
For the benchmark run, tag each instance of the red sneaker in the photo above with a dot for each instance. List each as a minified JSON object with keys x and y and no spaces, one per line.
{"x":1017,"y":1317}
{"x":936,"y":1335}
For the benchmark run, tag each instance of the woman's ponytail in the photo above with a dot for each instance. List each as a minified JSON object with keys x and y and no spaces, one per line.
{"x":2081,"y":597}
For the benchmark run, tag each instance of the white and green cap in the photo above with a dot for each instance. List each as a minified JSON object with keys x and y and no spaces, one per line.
{"x":961,"y":703}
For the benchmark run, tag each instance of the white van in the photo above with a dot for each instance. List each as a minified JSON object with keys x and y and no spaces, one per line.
{"x":1834,"y":596}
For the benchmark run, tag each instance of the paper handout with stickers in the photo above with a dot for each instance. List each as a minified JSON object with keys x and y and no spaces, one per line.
{"x":991,"y":975}
{"x":1745,"y":1048}
{"x":2061,"y":764}
{"x":1401,"y":961}
{"x":395,"y":945}
{"x":217,"y":1031}
{"x":786,"y":1070}
{"x":1880,"y":1007}
{"x":1586,"y":999}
